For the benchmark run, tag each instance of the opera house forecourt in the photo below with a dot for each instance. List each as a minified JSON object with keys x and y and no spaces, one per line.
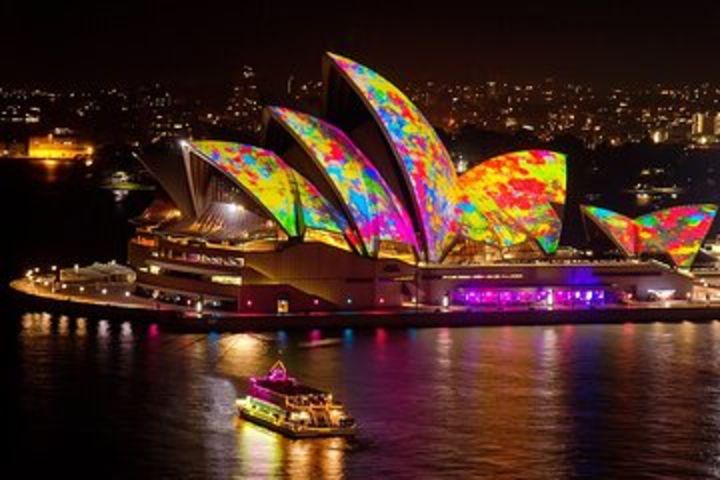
{"x":363,"y":209}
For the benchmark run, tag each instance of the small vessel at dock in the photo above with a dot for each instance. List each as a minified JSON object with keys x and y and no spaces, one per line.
{"x":281,"y":403}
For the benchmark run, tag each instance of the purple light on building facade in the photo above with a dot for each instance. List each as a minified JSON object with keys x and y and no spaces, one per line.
{"x":478,"y":296}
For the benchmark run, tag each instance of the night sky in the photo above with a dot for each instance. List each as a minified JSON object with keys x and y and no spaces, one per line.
{"x":203,"y":44}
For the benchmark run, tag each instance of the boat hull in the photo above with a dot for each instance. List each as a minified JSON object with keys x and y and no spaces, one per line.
{"x":307,"y":432}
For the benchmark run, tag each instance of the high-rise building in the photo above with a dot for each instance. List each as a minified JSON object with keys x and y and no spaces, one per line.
{"x":159,"y":114}
{"x":243,"y":109}
{"x":700,"y":124}
{"x":716,"y":124}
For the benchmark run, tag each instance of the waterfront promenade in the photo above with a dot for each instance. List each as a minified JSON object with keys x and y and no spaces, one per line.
{"x":109,"y":303}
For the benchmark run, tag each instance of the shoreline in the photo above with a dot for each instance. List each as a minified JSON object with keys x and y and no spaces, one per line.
{"x":183,"y":320}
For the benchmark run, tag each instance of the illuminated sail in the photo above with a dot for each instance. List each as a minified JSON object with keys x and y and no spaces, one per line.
{"x":260,"y":173}
{"x":512,"y":197}
{"x":426,"y":166}
{"x":375,"y":211}
{"x":677,"y":231}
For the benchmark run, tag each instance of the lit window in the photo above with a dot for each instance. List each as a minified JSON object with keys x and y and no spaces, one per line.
{"x":227,"y":279}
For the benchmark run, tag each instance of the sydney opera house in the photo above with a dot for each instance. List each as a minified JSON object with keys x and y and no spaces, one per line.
{"x":363,"y":209}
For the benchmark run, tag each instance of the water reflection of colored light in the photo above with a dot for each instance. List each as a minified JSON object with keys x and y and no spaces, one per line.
{"x":444,"y":334}
{"x":153,"y":330}
{"x":507,"y":337}
{"x":687,"y":332}
{"x":50,"y":168}
{"x":282,"y":338}
{"x":628,"y":328}
{"x":333,"y":458}
{"x":444,"y":345}
{"x":317,"y":458}
{"x":548,"y":388}
{"x":260,"y":452}
{"x":27,"y":321}
{"x":348,"y":335}
{"x":213,"y":347}
{"x":103,"y":329}
{"x":380,"y":336}
{"x":265,"y":454}
{"x":300,"y":458}
{"x":549,"y":343}
{"x":412,"y":333}
{"x":243,"y":343}
{"x":126,"y":330}
{"x":80,"y":327}
{"x":63,"y":325}
{"x":315,"y":334}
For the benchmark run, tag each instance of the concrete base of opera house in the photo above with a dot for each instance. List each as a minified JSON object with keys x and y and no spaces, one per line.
{"x":187,"y":320}
{"x":313,"y":277}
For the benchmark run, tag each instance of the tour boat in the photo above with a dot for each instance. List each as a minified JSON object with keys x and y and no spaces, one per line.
{"x":281,"y":403}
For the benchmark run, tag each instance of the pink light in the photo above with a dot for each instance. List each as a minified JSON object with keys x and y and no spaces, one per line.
{"x":153,"y":330}
{"x":382,"y":300}
{"x":278,"y":374}
{"x":249,"y":303}
{"x":380,"y":336}
{"x":275,"y":376}
{"x":628,"y":329}
{"x":316,"y":301}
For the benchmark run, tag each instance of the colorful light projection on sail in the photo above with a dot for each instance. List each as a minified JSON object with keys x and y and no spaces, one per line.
{"x":677,"y":231}
{"x":375,"y":211}
{"x":620,"y":229}
{"x":509,"y":198}
{"x":424,"y":161}
{"x":260,"y":173}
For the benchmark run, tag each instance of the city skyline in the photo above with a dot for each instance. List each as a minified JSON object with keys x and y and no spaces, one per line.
{"x":684,"y":115}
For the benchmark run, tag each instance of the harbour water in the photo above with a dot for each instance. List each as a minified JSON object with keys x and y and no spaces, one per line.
{"x":121,"y":400}
{"x":93,"y":398}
